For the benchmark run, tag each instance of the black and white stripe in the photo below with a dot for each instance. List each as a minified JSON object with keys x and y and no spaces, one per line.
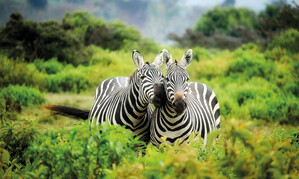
{"x":125,"y":101}
{"x":191,"y":106}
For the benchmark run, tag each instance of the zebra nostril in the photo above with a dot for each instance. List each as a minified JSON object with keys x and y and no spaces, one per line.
{"x":179,"y":106}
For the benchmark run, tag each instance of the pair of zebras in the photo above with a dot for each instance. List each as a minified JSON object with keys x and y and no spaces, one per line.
{"x":182,"y":107}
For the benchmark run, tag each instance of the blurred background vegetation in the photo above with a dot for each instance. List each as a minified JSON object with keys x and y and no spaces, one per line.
{"x":250,"y":59}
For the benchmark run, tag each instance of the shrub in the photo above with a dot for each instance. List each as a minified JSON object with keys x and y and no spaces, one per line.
{"x":15,"y":138}
{"x":67,"y":81}
{"x":288,"y":40}
{"x":84,"y":152}
{"x":225,"y":20}
{"x":278,"y":18}
{"x":246,"y":93}
{"x":43,"y":40}
{"x":282,"y":109}
{"x":22,"y":95}
{"x":237,"y":153}
{"x":147,"y":46}
{"x":51,"y":66}
{"x":201,"y":53}
{"x":250,"y":63}
{"x":16,"y":72}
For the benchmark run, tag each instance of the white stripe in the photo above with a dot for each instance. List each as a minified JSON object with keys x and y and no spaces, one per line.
{"x":217,"y":121}
{"x":216,"y":108}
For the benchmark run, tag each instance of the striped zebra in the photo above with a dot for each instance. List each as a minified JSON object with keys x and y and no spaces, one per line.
{"x":124,"y":101}
{"x":190,"y":107}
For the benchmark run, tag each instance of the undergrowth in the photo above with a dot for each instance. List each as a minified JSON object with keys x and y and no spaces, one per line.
{"x":111,"y":152}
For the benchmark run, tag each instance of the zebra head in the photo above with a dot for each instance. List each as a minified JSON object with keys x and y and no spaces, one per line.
{"x":149,"y":76}
{"x":176,"y":81}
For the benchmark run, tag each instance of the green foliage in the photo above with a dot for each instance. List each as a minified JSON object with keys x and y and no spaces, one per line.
{"x":82,"y":152}
{"x":16,"y":72}
{"x":229,"y":28}
{"x":15,"y":138}
{"x":251,"y":63}
{"x":79,"y":22}
{"x":22,"y":95}
{"x":237,"y":153}
{"x":283,"y":109}
{"x":67,"y":41}
{"x":95,"y":31}
{"x":288,"y":40}
{"x":51,"y":66}
{"x":111,"y":151}
{"x":225,"y":20}
{"x":146,"y":45}
{"x":201,"y":53}
{"x":276,"y":19}
{"x":45,"y":40}
{"x":67,"y":81}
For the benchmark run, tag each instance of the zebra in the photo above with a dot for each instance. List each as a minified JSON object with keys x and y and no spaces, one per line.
{"x":190,"y":107}
{"x":125,"y":101}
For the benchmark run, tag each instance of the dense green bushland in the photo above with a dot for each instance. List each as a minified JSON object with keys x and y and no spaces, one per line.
{"x":249,"y":82}
{"x":228,"y":28}
{"x":225,"y":20}
{"x":67,"y":41}
{"x":22,"y":95}
{"x":109,"y":151}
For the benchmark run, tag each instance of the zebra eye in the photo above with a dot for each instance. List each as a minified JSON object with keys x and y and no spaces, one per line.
{"x":166,"y":78}
{"x":142,"y":77}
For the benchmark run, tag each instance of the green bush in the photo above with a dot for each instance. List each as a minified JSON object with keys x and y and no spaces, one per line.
{"x":251,"y":63}
{"x":15,"y":138}
{"x":282,"y":109}
{"x":82,"y":152}
{"x":44,"y":40}
{"x":67,"y":81}
{"x":51,"y":66}
{"x":201,"y":53}
{"x":245,"y":94}
{"x":111,"y":151}
{"x":93,"y":31}
{"x":237,"y":153}
{"x":224,"y":20}
{"x":22,"y":95}
{"x":146,"y":45}
{"x":288,"y":40}
{"x":284,"y":134}
{"x":16,"y":72}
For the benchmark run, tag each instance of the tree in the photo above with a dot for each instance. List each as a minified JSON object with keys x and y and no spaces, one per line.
{"x":224,"y":20}
{"x":31,"y":40}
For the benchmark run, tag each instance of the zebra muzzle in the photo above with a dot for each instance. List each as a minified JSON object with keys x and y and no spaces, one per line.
{"x":160,"y":98}
{"x":179,"y":106}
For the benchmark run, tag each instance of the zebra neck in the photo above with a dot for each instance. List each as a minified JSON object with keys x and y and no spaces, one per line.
{"x":136,"y":99}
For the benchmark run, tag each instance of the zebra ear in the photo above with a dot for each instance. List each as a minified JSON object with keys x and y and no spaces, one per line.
{"x":187,"y":58}
{"x":138,"y":59}
{"x":166,"y":57}
{"x":158,"y":60}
